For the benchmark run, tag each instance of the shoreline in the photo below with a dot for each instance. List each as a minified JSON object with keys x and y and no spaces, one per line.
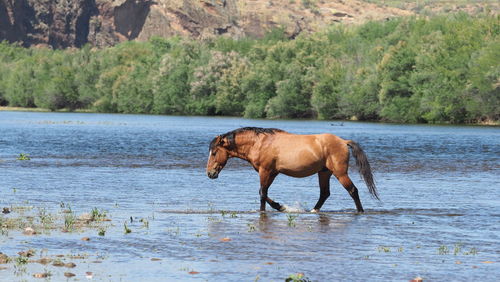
{"x":44,"y":110}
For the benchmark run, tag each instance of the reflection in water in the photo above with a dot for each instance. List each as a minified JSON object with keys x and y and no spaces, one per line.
{"x":264,"y":222}
{"x":323,"y":219}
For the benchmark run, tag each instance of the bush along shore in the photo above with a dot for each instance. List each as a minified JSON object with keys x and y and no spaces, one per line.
{"x":442,"y":69}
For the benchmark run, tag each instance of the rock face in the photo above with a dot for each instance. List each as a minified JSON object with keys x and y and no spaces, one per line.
{"x":100,"y":23}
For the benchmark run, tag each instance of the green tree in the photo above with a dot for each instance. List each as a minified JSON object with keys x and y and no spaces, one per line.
{"x":19,"y":86}
{"x":133,"y":90}
{"x":483,"y":87}
{"x":293,"y":96}
{"x":328,"y":89}
{"x":395,"y":93}
{"x":171,"y":85}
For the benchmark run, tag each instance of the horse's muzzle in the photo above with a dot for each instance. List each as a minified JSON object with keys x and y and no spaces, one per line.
{"x":213,"y":174}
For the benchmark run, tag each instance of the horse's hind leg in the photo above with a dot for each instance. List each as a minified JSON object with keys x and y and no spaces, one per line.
{"x":353,"y":191}
{"x":339,"y":165}
{"x":324,"y":186}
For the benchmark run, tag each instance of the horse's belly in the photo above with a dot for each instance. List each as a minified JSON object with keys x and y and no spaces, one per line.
{"x":303,"y":170}
{"x":301,"y":173}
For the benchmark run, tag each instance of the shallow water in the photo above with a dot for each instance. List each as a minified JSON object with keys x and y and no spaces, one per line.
{"x":438,"y":218}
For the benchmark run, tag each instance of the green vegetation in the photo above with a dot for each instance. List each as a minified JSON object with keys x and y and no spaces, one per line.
{"x":298,"y":277}
{"x":457,"y":250}
{"x":291,"y":220}
{"x":443,"y":69}
{"x":433,"y":7}
{"x":69,"y":222}
{"x":23,"y":157}
{"x":126,"y":229}
{"x":384,"y":249}
{"x":96,"y":215}
{"x":101,"y":231}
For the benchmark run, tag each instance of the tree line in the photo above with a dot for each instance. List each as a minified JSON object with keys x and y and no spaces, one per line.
{"x":443,"y":69}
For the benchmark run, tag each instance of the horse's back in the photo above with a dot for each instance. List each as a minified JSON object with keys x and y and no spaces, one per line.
{"x":304,"y":155}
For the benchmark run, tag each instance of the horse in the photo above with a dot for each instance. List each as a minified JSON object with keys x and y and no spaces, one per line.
{"x":272,"y":151}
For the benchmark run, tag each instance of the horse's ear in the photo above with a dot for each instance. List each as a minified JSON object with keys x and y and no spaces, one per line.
{"x":217,"y":140}
{"x":220,"y":141}
{"x":223,"y":142}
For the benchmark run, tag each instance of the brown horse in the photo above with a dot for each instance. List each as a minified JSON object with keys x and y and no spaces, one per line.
{"x":273,"y":151}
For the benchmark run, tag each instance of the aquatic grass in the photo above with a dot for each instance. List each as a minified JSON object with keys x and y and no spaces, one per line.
{"x":21,"y":260}
{"x":101,"y":232}
{"x":69,"y":222}
{"x":291,"y":219}
{"x":126,"y":229}
{"x":39,"y":218}
{"x":297,"y":277}
{"x":46,"y":219}
{"x":457,"y":249}
{"x":23,"y":157}
{"x":251,"y":227}
{"x":473,"y":251}
{"x":69,"y":218}
{"x":384,"y":249}
{"x":96,"y":215}
{"x":145,"y":223}
{"x":443,"y":250}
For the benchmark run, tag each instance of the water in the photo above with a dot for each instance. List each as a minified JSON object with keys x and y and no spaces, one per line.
{"x":438,"y":218}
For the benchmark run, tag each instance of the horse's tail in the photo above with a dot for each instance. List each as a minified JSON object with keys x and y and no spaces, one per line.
{"x":364,"y":167}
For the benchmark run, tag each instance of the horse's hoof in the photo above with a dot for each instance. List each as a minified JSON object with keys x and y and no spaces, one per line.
{"x":314,"y":211}
{"x":282,"y":208}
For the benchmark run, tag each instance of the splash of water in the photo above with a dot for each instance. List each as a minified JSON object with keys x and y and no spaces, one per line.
{"x":296,"y":207}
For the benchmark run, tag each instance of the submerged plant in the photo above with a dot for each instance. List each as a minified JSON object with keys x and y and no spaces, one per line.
{"x":21,"y":260}
{"x":101,"y":232}
{"x":45,"y":218}
{"x":251,"y":227}
{"x":96,"y":215}
{"x":145,"y":222}
{"x":298,"y":277}
{"x":384,"y":249}
{"x":291,"y":219}
{"x":23,"y":157}
{"x":443,"y":250}
{"x":457,"y":249}
{"x":126,"y":229}
{"x":472,"y":251}
{"x":69,"y":221}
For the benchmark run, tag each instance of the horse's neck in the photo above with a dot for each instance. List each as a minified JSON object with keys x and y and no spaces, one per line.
{"x":243,"y":147}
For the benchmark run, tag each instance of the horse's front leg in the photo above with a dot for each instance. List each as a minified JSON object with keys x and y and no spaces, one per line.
{"x":266,"y":179}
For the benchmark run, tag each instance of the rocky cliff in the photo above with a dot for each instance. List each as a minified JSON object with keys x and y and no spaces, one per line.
{"x":73,"y":23}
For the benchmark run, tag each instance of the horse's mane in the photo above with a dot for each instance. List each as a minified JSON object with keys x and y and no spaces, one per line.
{"x":232,"y":134}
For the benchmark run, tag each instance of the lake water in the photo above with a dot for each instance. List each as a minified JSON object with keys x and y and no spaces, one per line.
{"x":438,"y":218}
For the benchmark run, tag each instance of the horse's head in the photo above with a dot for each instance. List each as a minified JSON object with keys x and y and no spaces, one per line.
{"x":217,"y":157}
